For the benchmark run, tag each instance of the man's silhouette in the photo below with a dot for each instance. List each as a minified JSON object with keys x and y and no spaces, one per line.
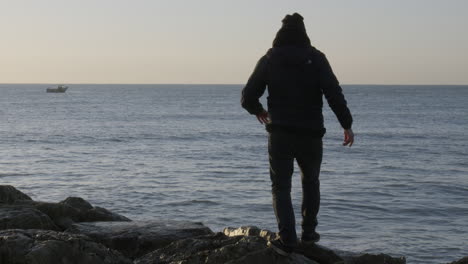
{"x":297,"y":76}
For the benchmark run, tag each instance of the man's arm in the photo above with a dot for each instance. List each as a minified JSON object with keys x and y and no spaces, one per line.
{"x":254,"y":89}
{"x":335,"y":98}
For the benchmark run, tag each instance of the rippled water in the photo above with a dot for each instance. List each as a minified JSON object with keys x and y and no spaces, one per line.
{"x":189,"y":152}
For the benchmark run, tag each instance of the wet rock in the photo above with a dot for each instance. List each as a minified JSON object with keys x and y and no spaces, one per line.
{"x":15,"y":217}
{"x":219,"y":248}
{"x":40,"y":246}
{"x":461,"y":261}
{"x":9,"y":195}
{"x":136,"y":238}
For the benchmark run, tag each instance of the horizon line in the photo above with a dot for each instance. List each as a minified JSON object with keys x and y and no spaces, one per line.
{"x":211,"y":84}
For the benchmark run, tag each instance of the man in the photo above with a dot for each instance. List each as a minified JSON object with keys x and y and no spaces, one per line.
{"x":297,"y":76}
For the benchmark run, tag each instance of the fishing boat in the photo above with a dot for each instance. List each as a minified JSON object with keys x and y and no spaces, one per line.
{"x":59,"y":89}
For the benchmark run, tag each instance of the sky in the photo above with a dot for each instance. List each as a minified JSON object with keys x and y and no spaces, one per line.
{"x":220,"y":41}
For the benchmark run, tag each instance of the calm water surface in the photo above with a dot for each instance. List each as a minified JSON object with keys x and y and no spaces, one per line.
{"x":190,"y":152}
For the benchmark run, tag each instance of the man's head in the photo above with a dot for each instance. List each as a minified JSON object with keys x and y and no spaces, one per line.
{"x":292,"y":32}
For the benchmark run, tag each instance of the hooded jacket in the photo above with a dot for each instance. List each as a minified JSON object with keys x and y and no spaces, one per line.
{"x":296,"y":77}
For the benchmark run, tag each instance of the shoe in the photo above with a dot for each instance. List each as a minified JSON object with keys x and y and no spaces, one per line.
{"x":305,"y":245}
{"x":310,"y":240}
{"x":280,"y":248}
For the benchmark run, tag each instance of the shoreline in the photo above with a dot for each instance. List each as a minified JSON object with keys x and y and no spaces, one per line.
{"x":74,"y":231}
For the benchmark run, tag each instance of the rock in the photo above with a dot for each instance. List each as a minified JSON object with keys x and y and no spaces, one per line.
{"x":219,"y":248}
{"x":88,"y":213}
{"x":242,"y":231}
{"x":268,"y":235}
{"x":136,"y":238}
{"x":315,"y":252}
{"x":325,"y":255}
{"x":15,"y":217}
{"x":63,"y":214}
{"x":77,"y":203}
{"x":101,"y":214}
{"x":9,"y":195}
{"x":40,"y":246}
{"x":366,"y":258}
{"x":17,"y":210}
{"x":250,"y":231}
{"x":88,"y":238}
{"x":461,"y":261}
{"x":321,"y":254}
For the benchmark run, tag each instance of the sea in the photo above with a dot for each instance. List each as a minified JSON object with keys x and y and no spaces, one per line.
{"x":190,"y":152}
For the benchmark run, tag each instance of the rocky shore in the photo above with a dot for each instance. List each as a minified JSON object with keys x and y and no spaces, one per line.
{"x":74,"y":231}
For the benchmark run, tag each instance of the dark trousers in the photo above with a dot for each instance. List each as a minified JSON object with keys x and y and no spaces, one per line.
{"x":283,"y":148}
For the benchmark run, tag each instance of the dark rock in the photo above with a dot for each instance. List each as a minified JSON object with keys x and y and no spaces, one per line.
{"x":14,"y":217}
{"x":77,"y":203}
{"x":63,"y":215}
{"x":321,"y":254}
{"x":315,"y":252}
{"x":9,"y":195}
{"x":219,"y":248}
{"x":137,"y":238}
{"x":66,"y":213}
{"x":101,"y":214}
{"x":461,"y":261}
{"x":88,"y":213}
{"x":354,"y":258}
{"x":168,"y":242}
{"x":40,"y":246}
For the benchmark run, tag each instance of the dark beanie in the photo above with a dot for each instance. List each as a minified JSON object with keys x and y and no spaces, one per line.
{"x":292,"y":32}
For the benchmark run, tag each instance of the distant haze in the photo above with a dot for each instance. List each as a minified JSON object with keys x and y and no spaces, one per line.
{"x":213,"y":41}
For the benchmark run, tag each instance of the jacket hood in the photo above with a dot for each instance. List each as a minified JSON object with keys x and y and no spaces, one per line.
{"x":292,"y":32}
{"x":290,"y":55}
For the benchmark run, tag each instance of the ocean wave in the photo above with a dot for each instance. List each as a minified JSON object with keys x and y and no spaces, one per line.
{"x":14,"y":174}
{"x":451,"y":190}
{"x":192,"y":202}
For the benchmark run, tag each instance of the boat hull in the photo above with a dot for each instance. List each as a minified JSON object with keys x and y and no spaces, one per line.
{"x":56,"y":90}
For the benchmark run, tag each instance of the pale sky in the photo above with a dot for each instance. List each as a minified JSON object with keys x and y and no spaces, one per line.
{"x":220,"y":41}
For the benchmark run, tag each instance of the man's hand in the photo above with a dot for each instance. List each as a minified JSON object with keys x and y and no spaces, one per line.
{"x":348,"y":137}
{"x":263,"y":117}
